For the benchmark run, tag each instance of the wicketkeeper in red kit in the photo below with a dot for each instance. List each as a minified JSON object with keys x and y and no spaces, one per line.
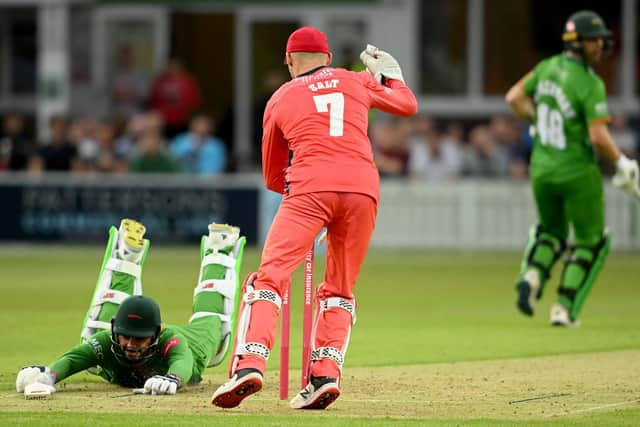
{"x":316,"y":152}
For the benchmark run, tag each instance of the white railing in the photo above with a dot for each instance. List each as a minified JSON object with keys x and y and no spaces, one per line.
{"x":479,"y":215}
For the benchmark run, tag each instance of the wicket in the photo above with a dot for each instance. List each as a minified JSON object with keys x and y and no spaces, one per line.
{"x":307,"y":319}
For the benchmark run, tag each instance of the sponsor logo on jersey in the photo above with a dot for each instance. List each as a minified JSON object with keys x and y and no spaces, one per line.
{"x":550,"y":88}
{"x":169,"y":345}
{"x":324,"y":73}
{"x":97,"y":348}
{"x":601,"y":108}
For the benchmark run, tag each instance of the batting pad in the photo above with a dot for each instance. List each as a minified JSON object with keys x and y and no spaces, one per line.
{"x":227,"y":287}
{"x":118,"y":279}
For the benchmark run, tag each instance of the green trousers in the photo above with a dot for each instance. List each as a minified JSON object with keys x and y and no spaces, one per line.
{"x":578,"y":202}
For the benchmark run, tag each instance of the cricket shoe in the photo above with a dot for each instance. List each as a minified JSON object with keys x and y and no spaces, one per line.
{"x":131,"y":240}
{"x":560,"y":317}
{"x":318,"y":394}
{"x":242,"y":384}
{"x":528,"y":292}
{"x":221,"y":236}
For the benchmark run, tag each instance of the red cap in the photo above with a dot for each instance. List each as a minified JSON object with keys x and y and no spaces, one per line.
{"x":308,"y":39}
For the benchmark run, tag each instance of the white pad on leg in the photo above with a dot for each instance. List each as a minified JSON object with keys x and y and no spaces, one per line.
{"x":328,"y":353}
{"x":348,"y":305}
{"x":103,"y":292}
{"x":335,"y":354}
{"x":250,"y":296}
{"x":225,"y":287}
{"x":111,"y":295}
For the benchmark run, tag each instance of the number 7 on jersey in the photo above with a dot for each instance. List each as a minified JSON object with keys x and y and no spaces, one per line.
{"x":333,"y":103}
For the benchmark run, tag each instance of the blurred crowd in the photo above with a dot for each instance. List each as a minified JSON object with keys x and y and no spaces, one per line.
{"x":425,"y":149}
{"x":157,"y":127}
{"x":138,"y":144}
{"x":154,"y":127}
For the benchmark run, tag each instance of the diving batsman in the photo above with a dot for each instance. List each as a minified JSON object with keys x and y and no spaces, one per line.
{"x":123,"y":339}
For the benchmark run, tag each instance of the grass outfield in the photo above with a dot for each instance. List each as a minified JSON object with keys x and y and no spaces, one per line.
{"x":438,"y":342}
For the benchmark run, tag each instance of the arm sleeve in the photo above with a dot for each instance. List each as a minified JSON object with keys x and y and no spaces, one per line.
{"x":79,"y":358}
{"x":275,"y":153}
{"x":595,"y":104}
{"x":180,"y":359}
{"x":393,"y":97}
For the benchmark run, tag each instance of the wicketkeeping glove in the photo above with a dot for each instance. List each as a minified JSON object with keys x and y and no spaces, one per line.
{"x":158,"y":384}
{"x":380,"y":64}
{"x":34,"y":374}
{"x":627,"y":176}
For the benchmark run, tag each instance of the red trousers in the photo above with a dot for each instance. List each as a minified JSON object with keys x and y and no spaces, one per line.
{"x":350,"y":220}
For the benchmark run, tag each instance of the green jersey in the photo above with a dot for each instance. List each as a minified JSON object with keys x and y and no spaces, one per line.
{"x":174,"y":357}
{"x":568,"y":96}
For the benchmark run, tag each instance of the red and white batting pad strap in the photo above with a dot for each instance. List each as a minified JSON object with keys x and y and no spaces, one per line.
{"x":112,"y":296}
{"x":224,"y":287}
{"x":254,"y":348}
{"x":200,"y":314}
{"x":123,"y":266}
{"x":263,"y":295}
{"x":220,"y":259}
{"x":96,"y":324}
{"x":328,"y":353}
{"x":337,"y":302}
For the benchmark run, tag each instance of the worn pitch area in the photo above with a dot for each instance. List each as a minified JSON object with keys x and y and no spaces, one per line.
{"x":516,"y":389}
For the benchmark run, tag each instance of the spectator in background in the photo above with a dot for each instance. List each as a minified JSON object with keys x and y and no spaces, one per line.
{"x":506,"y":132}
{"x":154,"y":121}
{"x":390,"y":140}
{"x":120,"y":126}
{"x":107,"y":161}
{"x":83,"y":133}
{"x":483,"y":158}
{"x":197,"y":151}
{"x":15,"y":147}
{"x":175,"y":95}
{"x":129,"y":85}
{"x":152,"y":156}
{"x":124,"y":146}
{"x":453,"y":140}
{"x":431,"y":157}
{"x":58,"y":154}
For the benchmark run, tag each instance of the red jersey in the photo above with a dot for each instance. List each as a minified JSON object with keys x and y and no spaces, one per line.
{"x":175,"y":97}
{"x":321,"y":118}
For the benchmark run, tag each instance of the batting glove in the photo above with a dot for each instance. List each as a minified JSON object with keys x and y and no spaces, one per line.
{"x":161,"y":385}
{"x":381,"y":64}
{"x":35,"y":374}
{"x":627,"y":176}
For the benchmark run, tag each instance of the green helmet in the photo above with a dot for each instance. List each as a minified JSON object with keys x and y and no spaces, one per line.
{"x":581,"y":25}
{"x":138,"y":316}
